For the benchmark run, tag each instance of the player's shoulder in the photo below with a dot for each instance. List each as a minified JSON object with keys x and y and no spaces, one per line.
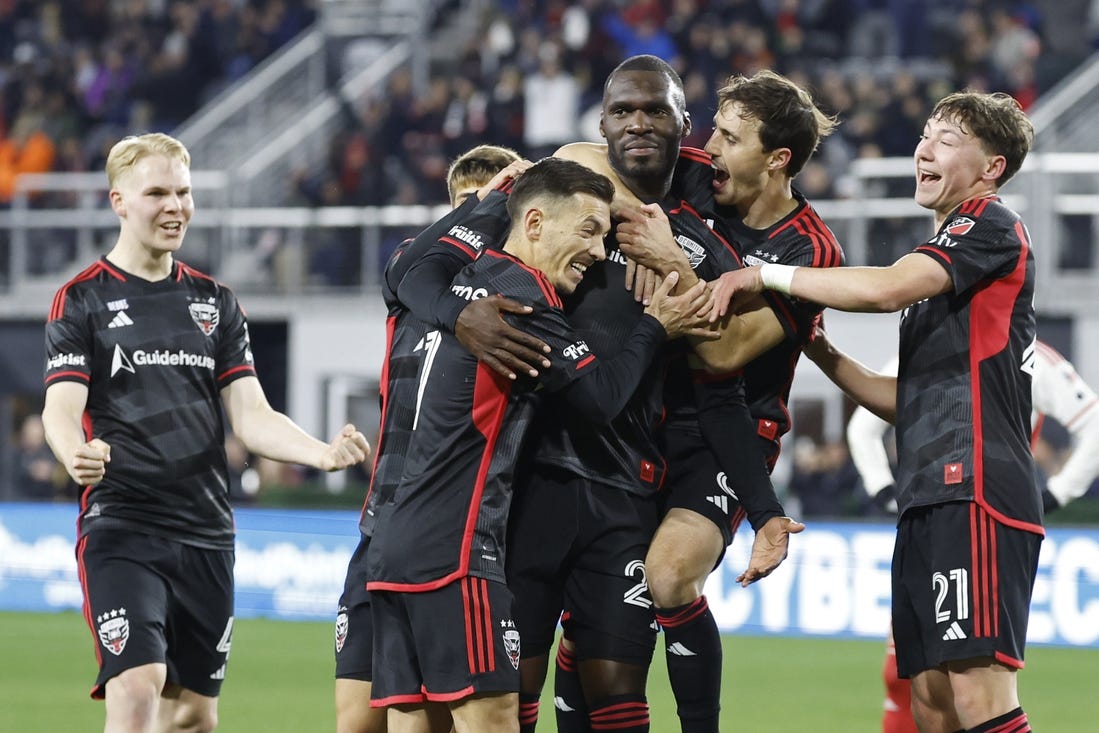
{"x":982,"y":217}
{"x":802,"y":235}
{"x":499,"y":272}
{"x":93,"y":283}
{"x":202,"y":284}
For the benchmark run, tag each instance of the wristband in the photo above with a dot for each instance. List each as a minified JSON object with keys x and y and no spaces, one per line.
{"x":777,"y":277}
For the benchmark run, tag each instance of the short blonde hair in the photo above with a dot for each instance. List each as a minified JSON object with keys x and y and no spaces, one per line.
{"x":127,"y":151}
{"x":476,"y":167}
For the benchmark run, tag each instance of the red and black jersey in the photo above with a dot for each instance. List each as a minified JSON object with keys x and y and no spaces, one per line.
{"x":449,"y":512}
{"x":709,"y":255}
{"x":964,"y":381}
{"x":625,"y":454}
{"x":154,"y":356}
{"x":802,"y":239}
{"x":409,"y":341}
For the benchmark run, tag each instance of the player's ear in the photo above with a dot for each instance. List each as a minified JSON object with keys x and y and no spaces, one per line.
{"x":117,"y":203}
{"x":532,"y":223}
{"x":686,"y":124}
{"x":778,"y":158}
{"x":995,"y":168}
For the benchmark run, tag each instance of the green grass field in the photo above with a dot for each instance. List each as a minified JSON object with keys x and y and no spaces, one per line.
{"x":280,"y":681}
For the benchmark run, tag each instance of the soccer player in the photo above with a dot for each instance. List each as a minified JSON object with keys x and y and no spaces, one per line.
{"x":765,"y":130}
{"x":436,"y":560}
{"x":143,"y":352}
{"x":970,"y":523}
{"x":1058,"y":392}
{"x":472,"y":176}
{"x":595,"y":572}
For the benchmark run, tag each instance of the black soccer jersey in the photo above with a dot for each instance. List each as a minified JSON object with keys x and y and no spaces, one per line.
{"x":801,"y":238}
{"x":449,"y":513}
{"x":709,"y":256}
{"x":409,"y":341}
{"x":964,"y":381}
{"x":626,"y":453}
{"x":154,"y":356}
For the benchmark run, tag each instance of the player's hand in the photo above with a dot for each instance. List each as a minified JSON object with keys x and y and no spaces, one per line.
{"x":683,"y":314}
{"x":769,"y":549}
{"x":89,"y":462}
{"x":642,"y":281}
{"x":347,"y":449}
{"x":488,"y":337}
{"x":513,"y":170}
{"x":732,"y":290}
{"x":644,"y":234}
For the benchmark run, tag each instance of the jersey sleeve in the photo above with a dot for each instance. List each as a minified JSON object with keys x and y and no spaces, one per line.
{"x":234,"y":349}
{"x":975,"y":247}
{"x":1060,"y":392}
{"x":730,"y":433}
{"x":430,"y":266}
{"x":69,"y":341}
{"x":802,"y":241}
{"x":597,"y":389}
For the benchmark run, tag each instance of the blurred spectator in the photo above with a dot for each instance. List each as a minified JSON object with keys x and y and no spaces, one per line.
{"x":27,"y":149}
{"x":552,"y":105}
{"x":824,"y":480}
{"x":38,"y":476}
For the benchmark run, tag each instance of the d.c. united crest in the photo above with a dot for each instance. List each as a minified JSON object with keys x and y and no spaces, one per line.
{"x":114,"y":630}
{"x":205,"y":316}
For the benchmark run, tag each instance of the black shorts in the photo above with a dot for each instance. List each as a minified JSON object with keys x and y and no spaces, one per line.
{"x":696,"y":482}
{"x":961,"y":587}
{"x":576,"y":552}
{"x":149,"y":600}
{"x":354,"y":624}
{"x":445,"y":644}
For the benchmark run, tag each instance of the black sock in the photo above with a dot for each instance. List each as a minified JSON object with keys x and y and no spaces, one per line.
{"x":568,"y":696}
{"x":528,"y":712}
{"x":620,"y":714}
{"x":1013,"y":722}
{"x":693,"y":649}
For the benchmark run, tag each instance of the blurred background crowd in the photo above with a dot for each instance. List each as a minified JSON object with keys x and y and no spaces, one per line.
{"x":76,"y":75}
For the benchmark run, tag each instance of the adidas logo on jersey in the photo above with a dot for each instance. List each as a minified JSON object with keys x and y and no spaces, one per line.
{"x":720,"y":501}
{"x":954,"y":633}
{"x":219,"y":674}
{"x":120,"y":320}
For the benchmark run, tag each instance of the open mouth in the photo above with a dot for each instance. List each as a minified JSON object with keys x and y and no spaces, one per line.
{"x":578,"y":267}
{"x":924,"y":177}
{"x":720,"y":175}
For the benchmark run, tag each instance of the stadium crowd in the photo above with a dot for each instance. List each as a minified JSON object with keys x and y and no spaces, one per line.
{"x":76,"y":74}
{"x":531,"y":79}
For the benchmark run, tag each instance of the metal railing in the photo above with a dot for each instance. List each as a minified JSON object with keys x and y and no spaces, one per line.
{"x":306,"y":251}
